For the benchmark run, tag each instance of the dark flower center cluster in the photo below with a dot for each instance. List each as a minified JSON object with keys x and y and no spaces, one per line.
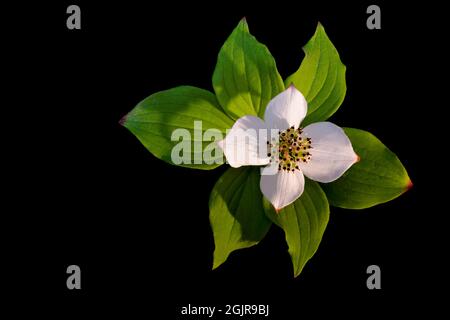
{"x":292,"y":149}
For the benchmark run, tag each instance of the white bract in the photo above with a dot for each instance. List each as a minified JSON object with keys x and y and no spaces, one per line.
{"x":321,"y":151}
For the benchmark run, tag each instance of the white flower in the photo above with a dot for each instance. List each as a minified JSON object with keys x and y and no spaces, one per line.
{"x":321,"y":151}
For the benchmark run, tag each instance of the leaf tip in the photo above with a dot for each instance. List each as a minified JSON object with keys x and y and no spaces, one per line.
{"x":216,"y":264}
{"x":123,"y":120}
{"x":320,"y":26}
{"x":297,"y":271}
{"x":218,"y":259}
{"x":243,"y":25}
{"x":409,"y":185}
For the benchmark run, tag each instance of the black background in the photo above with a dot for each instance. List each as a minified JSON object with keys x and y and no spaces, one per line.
{"x":138,"y":227}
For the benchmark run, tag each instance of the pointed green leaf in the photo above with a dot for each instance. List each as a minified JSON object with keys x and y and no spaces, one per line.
{"x":236,"y":212}
{"x":246,"y":77}
{"x":378,"y":177}
{"x":154,"y":120}
{"x":303,"y":222}
{"x":321,"y":77}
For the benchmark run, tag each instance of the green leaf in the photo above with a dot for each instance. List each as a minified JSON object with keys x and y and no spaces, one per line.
{"x":236,"y":212}
{"x":321,"y":77}
{"x":303,"y":222}
{"x":155,"y":118}
{"x":378,"y":177}
{"x":246,"y":77}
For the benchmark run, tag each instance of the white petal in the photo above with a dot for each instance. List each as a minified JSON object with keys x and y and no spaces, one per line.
{"x":331,"y":154}
{"x":242,"y":145}
{"x":282,"y":188}
{"x":287,"y":109}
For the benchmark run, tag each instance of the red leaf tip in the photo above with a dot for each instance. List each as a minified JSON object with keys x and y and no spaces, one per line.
{"x":123,"y":120}
{"x":409,"y":185}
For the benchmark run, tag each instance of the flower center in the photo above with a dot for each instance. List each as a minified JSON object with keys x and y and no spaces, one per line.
{"x":293,"y":148}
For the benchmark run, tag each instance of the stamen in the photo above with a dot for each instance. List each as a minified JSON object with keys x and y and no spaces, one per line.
{"x":290,"y":148}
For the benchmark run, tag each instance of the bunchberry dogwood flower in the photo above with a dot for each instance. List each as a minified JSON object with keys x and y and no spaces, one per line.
{"x":321,"y":150}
